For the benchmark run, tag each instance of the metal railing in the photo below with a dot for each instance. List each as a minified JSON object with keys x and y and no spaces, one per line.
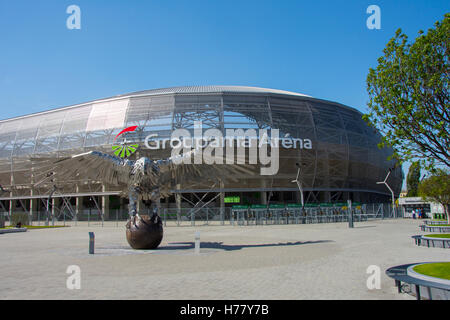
{"x":220,"y":216}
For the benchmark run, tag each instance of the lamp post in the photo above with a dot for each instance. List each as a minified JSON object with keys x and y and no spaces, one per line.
{"x":50,"y":196}
{"x":299,"y":184}
{"x":390,"y":189}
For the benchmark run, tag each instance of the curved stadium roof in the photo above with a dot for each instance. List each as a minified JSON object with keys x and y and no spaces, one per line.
{"x":212,"y":89}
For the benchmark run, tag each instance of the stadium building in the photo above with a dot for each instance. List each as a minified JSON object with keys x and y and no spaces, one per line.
{"x":342,"y":162}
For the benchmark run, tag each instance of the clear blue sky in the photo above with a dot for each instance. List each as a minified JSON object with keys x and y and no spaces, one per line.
{"x":320,"y":48}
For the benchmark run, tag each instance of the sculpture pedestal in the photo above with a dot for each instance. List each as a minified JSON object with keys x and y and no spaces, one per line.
{"x":142,"y":233}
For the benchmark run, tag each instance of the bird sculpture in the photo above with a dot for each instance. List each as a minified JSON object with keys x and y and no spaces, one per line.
{"x":142,"y":178}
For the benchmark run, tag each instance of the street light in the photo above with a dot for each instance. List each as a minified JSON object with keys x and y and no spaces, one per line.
{"x":299,"y":184}
{"x":392,"y":192}
{"x":50,"y":196}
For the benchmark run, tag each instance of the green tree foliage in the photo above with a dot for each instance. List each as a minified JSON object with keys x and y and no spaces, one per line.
{"x":413,"y":179}
{"x":436,"y":188}
{"x":409,"y":96}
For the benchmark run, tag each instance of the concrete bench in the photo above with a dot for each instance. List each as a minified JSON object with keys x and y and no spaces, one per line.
{"x":423,"y":287}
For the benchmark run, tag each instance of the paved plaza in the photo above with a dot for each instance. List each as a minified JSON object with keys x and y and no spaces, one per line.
{"x":315,"y":261}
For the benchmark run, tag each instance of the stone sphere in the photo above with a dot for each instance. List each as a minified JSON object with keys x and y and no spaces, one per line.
{"x":142,"y":233}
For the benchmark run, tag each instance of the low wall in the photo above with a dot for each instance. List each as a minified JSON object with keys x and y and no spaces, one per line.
{"x":431,"y":242}
{"x":12,"y":230}
{"x":437,"y":229}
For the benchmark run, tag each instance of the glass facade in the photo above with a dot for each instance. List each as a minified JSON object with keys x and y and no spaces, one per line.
{"x":344,"y":158}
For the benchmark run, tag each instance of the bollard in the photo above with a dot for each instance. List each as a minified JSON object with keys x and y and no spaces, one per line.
{"x":350,"y":214}
{"x":197,"y":243}
{"x":91,"y":242}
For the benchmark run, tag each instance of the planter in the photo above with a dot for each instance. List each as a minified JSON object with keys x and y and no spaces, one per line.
{"x":419,"y":285}
{"x":435,"y":223}
{"x":437,"y":228}
{"x":432,"y":242}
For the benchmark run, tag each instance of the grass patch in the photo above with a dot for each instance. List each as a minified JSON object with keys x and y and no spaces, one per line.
{"x":438,"y":270}
{"x":36,"y":227}
{"x":44,"y":227}
{"x":443,"y":235}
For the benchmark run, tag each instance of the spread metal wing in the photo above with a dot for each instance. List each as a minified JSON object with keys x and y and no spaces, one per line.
{"x":93,"y":165}
{"x":177,"y":168}
{"x":145,"y":173}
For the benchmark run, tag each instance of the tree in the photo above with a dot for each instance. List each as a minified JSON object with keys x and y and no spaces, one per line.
{"x":409,"y":96}
{"x":436,"y":188}
{"x":413,"y":179}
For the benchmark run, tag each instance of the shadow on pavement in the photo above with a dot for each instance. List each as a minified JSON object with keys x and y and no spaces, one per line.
{"x":231,"y":247}
{"x":362,"y":227}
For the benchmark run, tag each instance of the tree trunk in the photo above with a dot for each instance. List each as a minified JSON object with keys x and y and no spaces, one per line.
{"x":446,"y":212}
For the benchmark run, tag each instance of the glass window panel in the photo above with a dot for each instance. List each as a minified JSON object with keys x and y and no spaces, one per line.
{"x":76,"y":120}
{"x":107,"y":115}
{"x":8,"y":130}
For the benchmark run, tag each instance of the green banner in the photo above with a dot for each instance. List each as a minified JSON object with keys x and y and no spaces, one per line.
{"x":259,"y":206}
{"x":240,"y":207}
{"x":311,"y":205}
{"x":340,"y":204}
{"x":277,"y":206}
{"x":326,"y":204}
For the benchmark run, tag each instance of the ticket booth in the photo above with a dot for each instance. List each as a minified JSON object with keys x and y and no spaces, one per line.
{"x":311,"y":210}
{"x":239,"y":214}
{"x":339,"y":213}
{"x":278,"y":213}
{"x":295,"y":213}
{"x":325,"y":212}
{"x":258,"y":214}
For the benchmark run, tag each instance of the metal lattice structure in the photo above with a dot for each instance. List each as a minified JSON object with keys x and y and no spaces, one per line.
{"x":343,"y":163}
